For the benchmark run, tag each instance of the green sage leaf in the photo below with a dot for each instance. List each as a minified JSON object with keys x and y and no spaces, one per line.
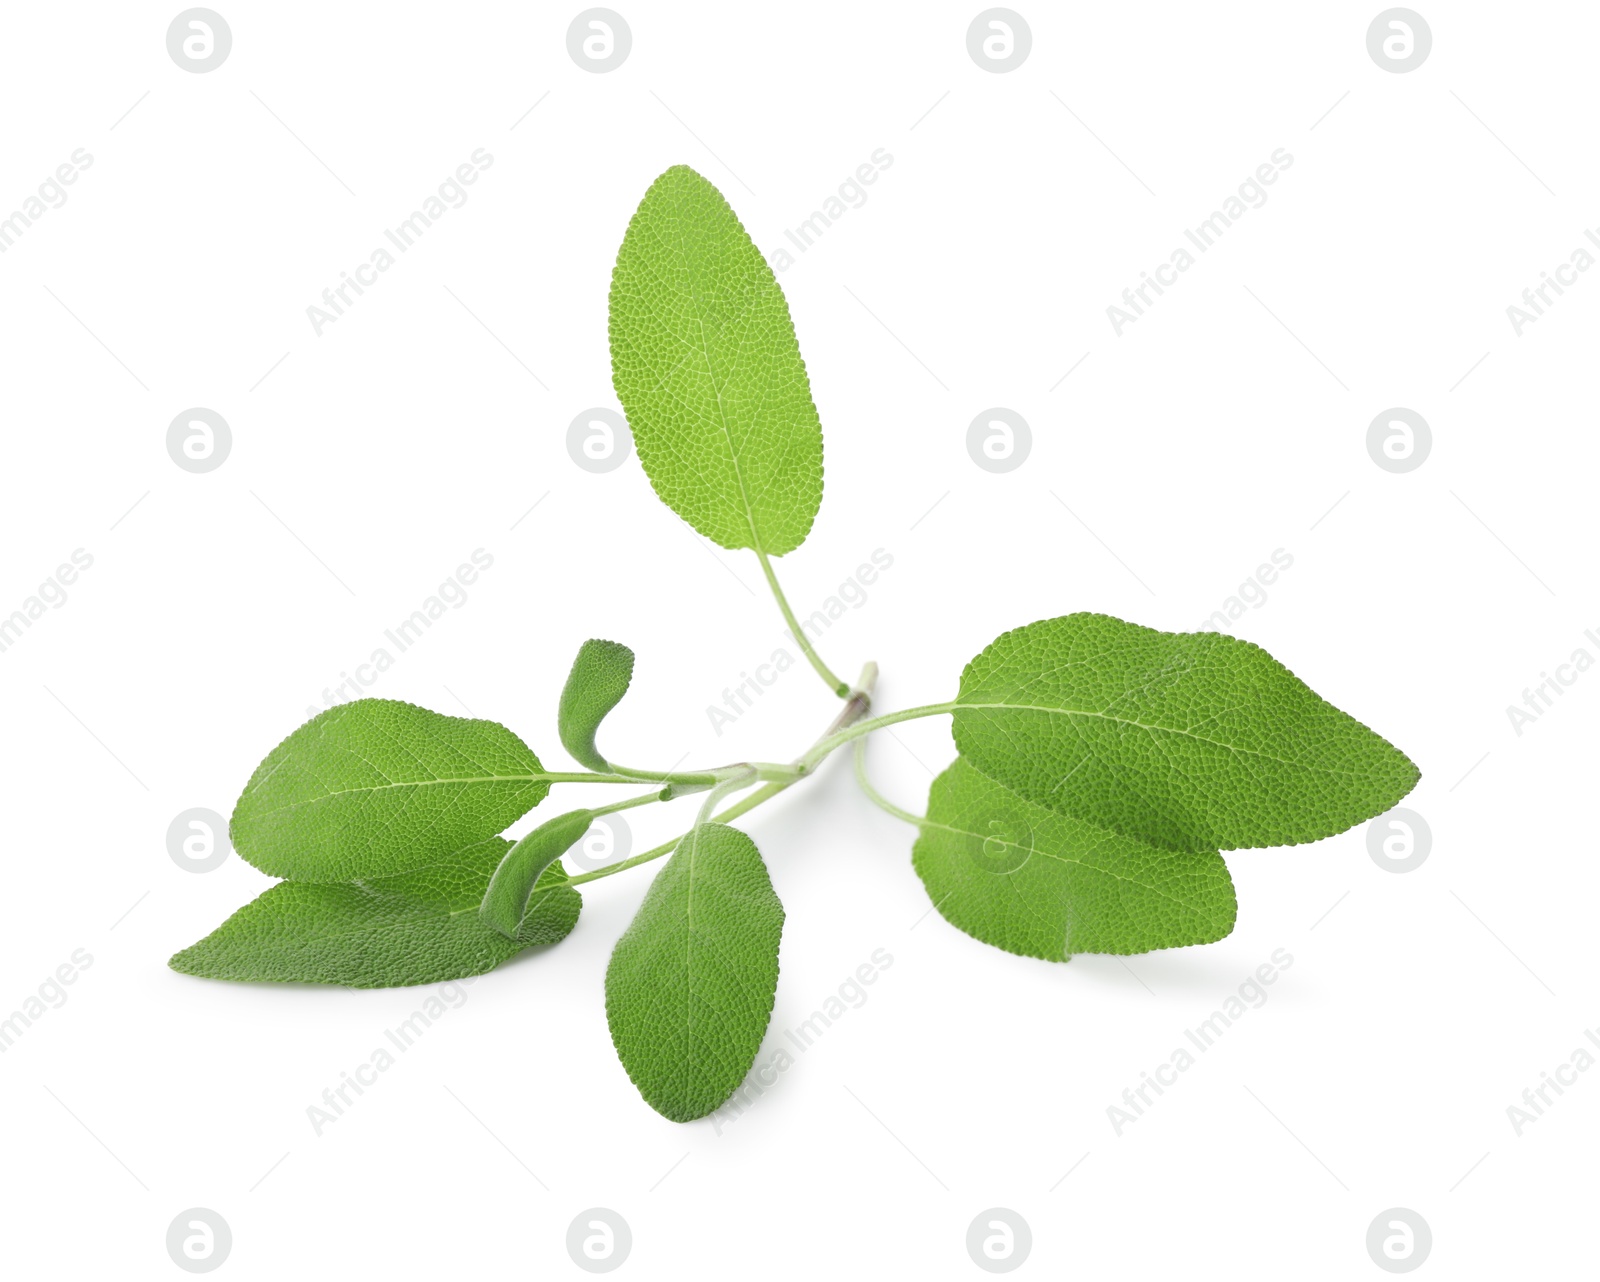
{"x":1040,"y":884}
{"x":705,"y":362}
{"x":378,"y":787}
{"x":505,"y":900}
{"x":691,"y":984}
{"x":599,"y":678}
{"x":421,"y":927}
{"x":1193,"y":741}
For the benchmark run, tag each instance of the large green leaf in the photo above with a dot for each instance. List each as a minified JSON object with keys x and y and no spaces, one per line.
{"x":377,"y":787}
{"x":599,"y":678}
{"x":1194,"y":741}
{"x":1033,"y":882}
{"x":418,"y":928}
{"x":705,"y":362}
{"x":691,"y":983}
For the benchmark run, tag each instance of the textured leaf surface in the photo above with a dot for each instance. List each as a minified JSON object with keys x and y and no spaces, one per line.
{"x":691,"y":983}
{"x":1033,"y":882}
{"x":1194,"y":741}
{"x":421,"y":927}
{"x":377,"y":787}
{"x":705,"y":362}
{"x":599,"y":678}
{"x":506,"y":899}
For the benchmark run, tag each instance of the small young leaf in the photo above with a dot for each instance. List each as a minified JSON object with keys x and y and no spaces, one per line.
{"x":421,"y":927}
{"x":705,"y":362}
{"x":1040,"y":884}
{"x":1193,"y":741}
{"x":505,"y":902}
{"x":378,"y":787}
{"x":691,"y":983}
{"x":599,"y":678}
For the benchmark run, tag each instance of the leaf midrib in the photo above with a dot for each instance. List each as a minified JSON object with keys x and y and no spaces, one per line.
{"x":423,"y":912}
{"x":688,"y":948}
{"x":1186,"y":734}
{"x":414,"y":783}
{"x":716,"y":387}
{"x":1067,"y":859}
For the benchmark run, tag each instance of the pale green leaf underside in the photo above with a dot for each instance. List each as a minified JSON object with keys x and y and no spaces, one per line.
{"x":690,"y":987}
{"x":1039,"y":884}
{"x":705,"y":362}
{"x":418,"y":928}
{"x":378,"y":787}
{"x":1194,"y":741}
{"x":599,"y":678}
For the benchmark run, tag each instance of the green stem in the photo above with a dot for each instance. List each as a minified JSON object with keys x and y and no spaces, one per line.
{"x":667,"y":847}
{"x":683,"y":785}
{"x":694,"y":781}
{"x":634,"y":862}
{"x":859,"y":700}
{"x":643,"y":800}
{"x":823,"y":747}
{"x":575,"y":777}
{"x":873,"y":795}
{"x":798,"y":633}
{"x":757,"y":798}
{"x":734,"y":783}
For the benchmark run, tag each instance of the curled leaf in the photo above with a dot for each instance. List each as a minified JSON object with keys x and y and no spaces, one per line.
{"x":505,"y":901}
{"x":599,"y":678}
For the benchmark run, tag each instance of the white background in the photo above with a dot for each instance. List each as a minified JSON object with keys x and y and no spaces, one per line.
{"x":427,"y":421}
